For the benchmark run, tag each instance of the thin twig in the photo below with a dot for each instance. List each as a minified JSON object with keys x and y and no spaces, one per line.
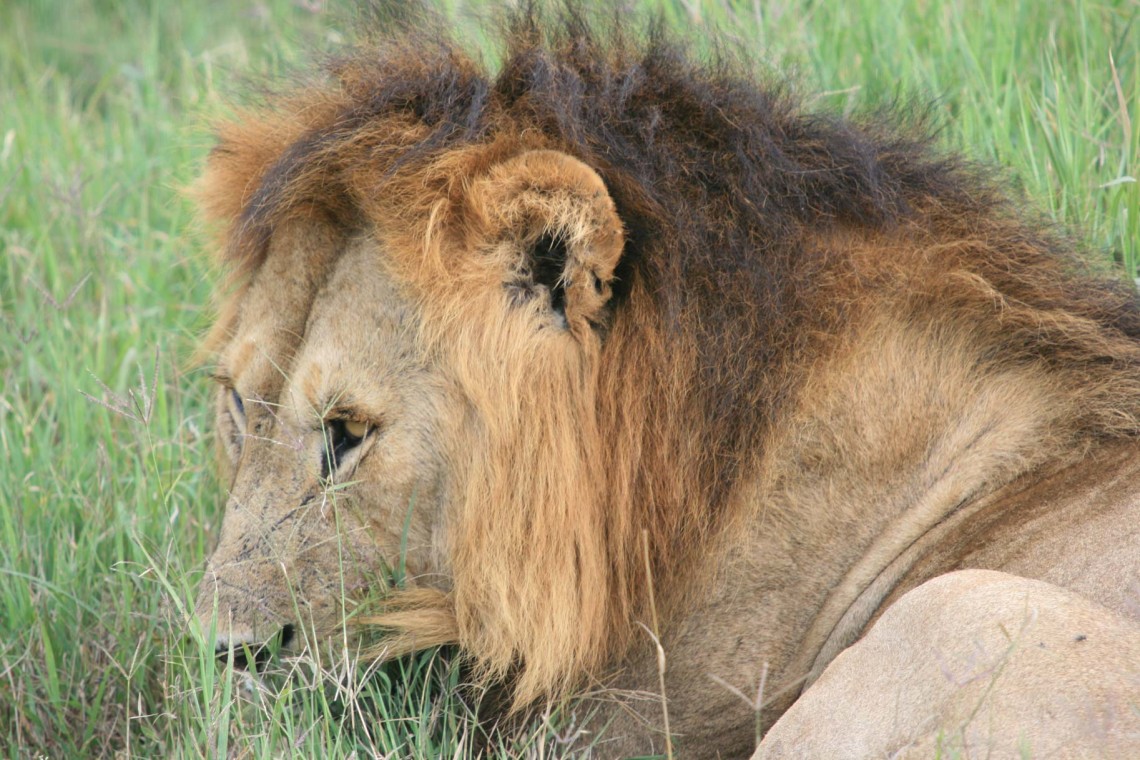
{"x":655,"y":635}
{"x":756,"y":705}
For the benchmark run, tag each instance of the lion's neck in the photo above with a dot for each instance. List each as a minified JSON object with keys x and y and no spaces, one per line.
{"x":887,"y":442}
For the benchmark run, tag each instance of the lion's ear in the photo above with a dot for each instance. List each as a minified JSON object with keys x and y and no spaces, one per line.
{"x":555,"y":223}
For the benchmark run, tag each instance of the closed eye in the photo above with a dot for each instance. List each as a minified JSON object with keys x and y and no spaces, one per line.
{"x":231,"y":421}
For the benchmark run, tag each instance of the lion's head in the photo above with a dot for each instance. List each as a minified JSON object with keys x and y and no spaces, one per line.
{"x":521,"y":337}
{"x":400,"y":395}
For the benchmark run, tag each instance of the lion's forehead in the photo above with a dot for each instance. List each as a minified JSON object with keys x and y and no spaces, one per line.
{"x":315,"y":329}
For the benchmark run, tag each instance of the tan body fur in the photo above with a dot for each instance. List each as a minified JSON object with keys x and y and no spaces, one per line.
{"x":991,"y":664}
{"x":779,"y":370}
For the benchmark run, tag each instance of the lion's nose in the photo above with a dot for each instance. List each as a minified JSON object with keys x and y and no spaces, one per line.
{"x":247,"y":651}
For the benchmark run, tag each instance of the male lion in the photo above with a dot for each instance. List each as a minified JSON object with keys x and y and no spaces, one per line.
{"x":613,"y":340}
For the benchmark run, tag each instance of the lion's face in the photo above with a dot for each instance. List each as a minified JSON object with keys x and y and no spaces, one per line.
{"x":388,"y":405}
{"x":335,"y":436}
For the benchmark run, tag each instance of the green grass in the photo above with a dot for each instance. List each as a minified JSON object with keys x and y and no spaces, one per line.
{"x":107,"y":507}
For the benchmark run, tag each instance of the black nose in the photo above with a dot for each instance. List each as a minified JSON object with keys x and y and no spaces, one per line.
{"x":260,"y":654}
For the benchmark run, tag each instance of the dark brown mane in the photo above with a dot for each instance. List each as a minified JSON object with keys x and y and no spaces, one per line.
{"x":722,"y":179}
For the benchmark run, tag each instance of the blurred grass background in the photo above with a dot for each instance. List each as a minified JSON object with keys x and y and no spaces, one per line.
{"x":106,"y":503}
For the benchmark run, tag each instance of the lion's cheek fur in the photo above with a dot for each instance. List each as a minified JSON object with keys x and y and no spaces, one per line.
{"x":527,"y":546}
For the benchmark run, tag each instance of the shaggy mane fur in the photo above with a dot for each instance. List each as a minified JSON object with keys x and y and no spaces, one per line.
{"x":756,"y":233}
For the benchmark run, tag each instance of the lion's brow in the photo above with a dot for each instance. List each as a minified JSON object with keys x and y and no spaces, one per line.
{"x":220,"y":376}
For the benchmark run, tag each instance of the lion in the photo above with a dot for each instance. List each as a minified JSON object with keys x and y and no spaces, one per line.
{"x":628,"y":375}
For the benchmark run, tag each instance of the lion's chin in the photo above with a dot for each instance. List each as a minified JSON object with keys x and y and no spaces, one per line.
{"x":248,"y":651}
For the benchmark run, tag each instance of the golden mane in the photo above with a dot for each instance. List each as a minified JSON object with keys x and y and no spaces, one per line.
{"x":755,"y":232}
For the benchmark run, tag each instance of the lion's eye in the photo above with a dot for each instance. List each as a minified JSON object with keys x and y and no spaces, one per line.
{"x":342,"y":437}
{"x":355,"y":429}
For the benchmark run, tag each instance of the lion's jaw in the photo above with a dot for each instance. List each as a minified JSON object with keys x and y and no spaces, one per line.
{"x":316,"y":516}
